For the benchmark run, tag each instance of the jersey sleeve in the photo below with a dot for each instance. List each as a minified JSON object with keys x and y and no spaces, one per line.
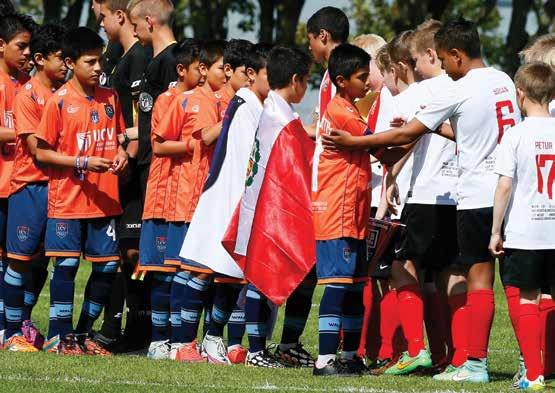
{"x":26,"y":115}
{"x":206,"y":116}
{"x":137,"y":67}
{"x":356,"y":127}
{"x":441,"y":108}
{"x":169,"y":127}
{"x":505,"y":161}
{"x":51,"y":123}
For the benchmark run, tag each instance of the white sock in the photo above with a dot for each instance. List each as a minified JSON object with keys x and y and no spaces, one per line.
{"x":233,"y":347}
{"x":285,"y":347}
{"x":348,"y":355}
{"x":323,"y":360}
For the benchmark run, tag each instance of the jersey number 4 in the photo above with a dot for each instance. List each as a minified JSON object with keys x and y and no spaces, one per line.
{"x":504,"y":123}
{"x":545,"y":163}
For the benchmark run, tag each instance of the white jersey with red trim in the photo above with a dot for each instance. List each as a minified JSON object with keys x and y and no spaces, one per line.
{"x":481,"y":106}
{"x":527,"y":155}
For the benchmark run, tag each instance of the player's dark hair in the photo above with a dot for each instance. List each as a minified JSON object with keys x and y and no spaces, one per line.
{"x":6,"y":7}
{"x":459,"y":34}
{"x":187,"y":51}
{"x":80,"y":40}
{"x":257,"y":57}
{"x":284,"y":62}
{"x":235,"y":52}
{"x":211,"y":51}
{"x":47,"y":39}
{"x":12,"y":24}
{"x":331,"y":19}
{"x":345,"y":60}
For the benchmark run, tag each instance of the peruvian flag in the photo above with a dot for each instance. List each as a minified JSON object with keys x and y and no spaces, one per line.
{"x":271,"y":233}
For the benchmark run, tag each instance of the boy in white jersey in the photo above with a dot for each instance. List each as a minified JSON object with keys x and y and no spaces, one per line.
{"x":524,"y":200}
{"x":480,"y":105}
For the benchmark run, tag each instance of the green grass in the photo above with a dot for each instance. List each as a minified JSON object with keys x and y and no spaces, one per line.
{"x":50,"y":373}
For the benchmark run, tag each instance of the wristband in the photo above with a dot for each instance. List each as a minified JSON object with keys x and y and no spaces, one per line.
{"x":86,"y":163}
{"x":78,"y":171}
{"x":126,"y":138}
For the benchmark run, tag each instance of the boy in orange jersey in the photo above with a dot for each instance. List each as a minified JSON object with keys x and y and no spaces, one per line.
{"x":15,"y":34}
{"x":190,"y":111}
{"x":29,"y":191}
{"x":77,"y":137}
{"x":154,"y":228}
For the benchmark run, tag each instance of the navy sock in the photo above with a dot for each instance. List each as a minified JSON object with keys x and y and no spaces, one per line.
{"x":62,"y":287}
{"x":207,"y":307}
{"x":97,"y":293}
{"x":224,"y":300}
{"x":329,"y":320}
{"x":179,"y":284}
{"x":193,"y":303}
{"x":160,"y":301}
{"x":34,"y":284}
{"x":3,"y":267}
{"x":296,"y":313}
{"x":257,"y":313}
{"x":113,"y":309}
{"x":351,"y":320}
{"x":13,"y":301}
{"x":236,"y":326}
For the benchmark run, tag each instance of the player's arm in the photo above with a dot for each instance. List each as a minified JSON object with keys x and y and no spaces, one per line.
{"x":7,"y":135}
{"x":49,"y":156}
{"x":209,"y":135}
{"x":501,"y":199}
{"x":446,"y":131}
{"x":167,"y":148}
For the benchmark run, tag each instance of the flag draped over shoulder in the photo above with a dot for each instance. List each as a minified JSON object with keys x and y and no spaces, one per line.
{"x":224,"y":186}
{"x":271,"y":234}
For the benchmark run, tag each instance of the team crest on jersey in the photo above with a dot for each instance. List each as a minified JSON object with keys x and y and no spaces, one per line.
{"x":145,"y":102}
{"x":161,"y":244}
{"x":252,"y":168}
{"x":94,"y":116}
{"x":109,"y":109}
{"x":22,"y":233}
{"x":62,"y":229}
{"x":347,"y":254}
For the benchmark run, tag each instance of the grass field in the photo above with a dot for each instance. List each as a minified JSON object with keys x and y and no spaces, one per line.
{"x":51,"y":373}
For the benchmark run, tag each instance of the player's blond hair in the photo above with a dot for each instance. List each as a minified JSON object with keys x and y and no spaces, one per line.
{"x":542,"y":49}
{"x":161,"y":10}
{"x":399,"y":48}
{"x":537,"y":81}
{"x":383,"y":61}
{"x":371,"y":43}
{"x":423,"y":37}
{"x":114,"y":5}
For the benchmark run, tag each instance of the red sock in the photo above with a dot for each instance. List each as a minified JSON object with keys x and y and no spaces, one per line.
{"x":529,"y":339}
{"x":459,"y":328}
{"x":481,"y":306}
{"x":369,"y":338}
{"x":411,"y":312}
{"x":513,"y":303}
{"x":389,"y":323}
{"x":435,"y":312}
{"x":547,"y":321}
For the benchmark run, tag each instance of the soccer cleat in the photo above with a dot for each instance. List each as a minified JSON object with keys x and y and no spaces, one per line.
{"x":380,"y":365}
{"x":475,"y":371}
{"x":293,"y":357}
{"x":32,"y":334}
{"x":356,"y":365}
{"x":237,"y":354}
{"x":69,"y":345}
{"x":52,"y":345}
{"x":18,"y":343}
{"x":2,"y":338}
{"x":407,"y":364}
{"x":92,"y":348}
{"x":188,"y":353}
{"x":159,"y":350}
{"x":262,"y":359}
{"x":535,"y":385}
{"x":447,"y":374}
{"x":334,"y":368}
{"x":521,"y":372}
{"x":215,"y":349}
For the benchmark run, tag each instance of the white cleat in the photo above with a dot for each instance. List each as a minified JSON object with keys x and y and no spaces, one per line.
{"x":215,"y":350}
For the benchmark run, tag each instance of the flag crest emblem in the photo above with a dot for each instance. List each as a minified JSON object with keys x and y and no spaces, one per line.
{"x":252,"y":168}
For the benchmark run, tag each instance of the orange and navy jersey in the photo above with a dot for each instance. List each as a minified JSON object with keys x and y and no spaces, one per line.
{"x":158,"y":184}
{"x":28,"y":107}
{"x":341,"y":202}
{"x":8,"y":90}
{"x":75,"y":125}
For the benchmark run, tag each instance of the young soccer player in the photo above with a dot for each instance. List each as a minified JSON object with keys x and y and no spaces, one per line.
{"x":523,"y":199}
{"x":77,"y":137}
{"x":154,"y":228}
{"x":27,"y":217}
{"x":15,"y":34}
{"x":481,"y":105}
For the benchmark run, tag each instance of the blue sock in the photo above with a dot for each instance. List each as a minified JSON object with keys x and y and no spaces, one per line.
{"x":62,"y":287}
{"x":329,"y":320}
{"x":296,"y":313}
{"x":193,"y":303}
{"x":34,"y":284}
{"x":160,"y":303}
{"x":179,"y":284}
{"x":236,"y":326}
{"x":13,"y":301}
{"x":257,"y":313}
{"x":3,"y":267}
{"x":351,"y":320}
{"x":225,"y":297}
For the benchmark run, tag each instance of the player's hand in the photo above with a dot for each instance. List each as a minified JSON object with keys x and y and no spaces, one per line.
{"x":98,"y":164}
{"x":338,"y":140}
{"x":397,"y":122}
{"x":496,"y":245}
{"x":120,"y":162}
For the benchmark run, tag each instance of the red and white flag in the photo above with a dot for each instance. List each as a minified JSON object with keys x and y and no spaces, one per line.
{"x":271,"y":234}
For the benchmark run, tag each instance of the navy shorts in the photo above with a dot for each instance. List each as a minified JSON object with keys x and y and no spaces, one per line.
{"x":175,"y":237}
{"x":341,"y":261}
{"x":3,"y":222}
{"x":95,"y":238}
{"x":27,"y":216}
{"x":152,"y":246}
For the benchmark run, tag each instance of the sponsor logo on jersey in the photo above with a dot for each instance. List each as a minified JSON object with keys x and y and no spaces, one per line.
{"x":94,"y":116}
{"x":28,"y":86}
{"x":109,"y":109}
{"x":195,"y":109}
{"x":61,"y":229}
{"x":72,"y":109}
{"x":85,"y":139}
{"x":145,"y":102}
{"x":22,"y":233}
{"x":135,"y":83}
{"x":161,"y":243}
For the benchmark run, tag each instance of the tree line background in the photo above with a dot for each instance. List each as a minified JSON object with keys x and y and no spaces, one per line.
{"x":278,"y":20}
